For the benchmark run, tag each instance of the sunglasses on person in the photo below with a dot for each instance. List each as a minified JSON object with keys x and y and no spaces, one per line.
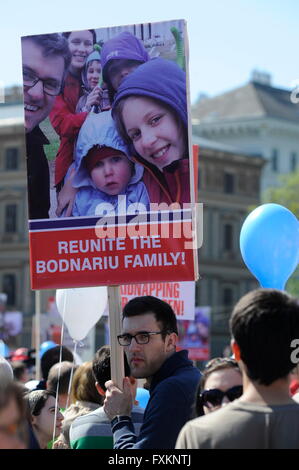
{"x":215,"y":396}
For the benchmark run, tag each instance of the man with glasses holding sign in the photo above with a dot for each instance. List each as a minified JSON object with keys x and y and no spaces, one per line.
{"x":149,"y":337}
{"x":45,"y":60}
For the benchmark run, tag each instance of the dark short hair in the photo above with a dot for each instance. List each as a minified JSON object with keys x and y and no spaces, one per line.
{"x":63,"y":370}
{"x":92,"y":31}
{"x":18,"y":368}
{"x":52,"y":45}
{"x":101,"y":366}
{"x":52,"y":356}
{"x":163,"y":312}
{"x":36,"y":400}
{"x":263,"y":323}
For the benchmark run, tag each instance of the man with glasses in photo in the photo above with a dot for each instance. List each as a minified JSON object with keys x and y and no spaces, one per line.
{"x":149,"y":337}
{"x":263,"y":325}
{"x":45,"y":61}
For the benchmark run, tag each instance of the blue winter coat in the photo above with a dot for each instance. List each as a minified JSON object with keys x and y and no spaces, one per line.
{"x":99,"y":129}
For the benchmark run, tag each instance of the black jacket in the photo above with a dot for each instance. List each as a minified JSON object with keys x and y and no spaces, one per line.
{"x":172,"y":394}
{"x":38,"y":175}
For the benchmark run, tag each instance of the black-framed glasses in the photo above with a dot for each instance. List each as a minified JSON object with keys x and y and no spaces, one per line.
{"x":215,"y":396}
{"x":51,"y":86}
{"x":142,"y":337}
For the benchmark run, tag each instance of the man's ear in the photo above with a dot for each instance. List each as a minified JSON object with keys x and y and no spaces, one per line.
{"x":171,"y":341}
{"x":99,"y":389}
{"x":236,"y":350}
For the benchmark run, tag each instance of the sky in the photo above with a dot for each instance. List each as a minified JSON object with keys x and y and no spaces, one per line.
{"x":227,"y":38}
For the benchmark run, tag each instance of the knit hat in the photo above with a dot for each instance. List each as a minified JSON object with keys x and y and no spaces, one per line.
{"x":97,"y":154}
{"x":123,"y":46}
{"x":160,"y":79}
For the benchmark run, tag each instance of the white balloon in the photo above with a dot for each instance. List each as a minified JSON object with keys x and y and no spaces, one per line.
{"x":81,"y":308}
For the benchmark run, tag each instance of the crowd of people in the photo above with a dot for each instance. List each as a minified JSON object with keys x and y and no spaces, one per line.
{"x":249,"y":400}
{"x":121,"y":119}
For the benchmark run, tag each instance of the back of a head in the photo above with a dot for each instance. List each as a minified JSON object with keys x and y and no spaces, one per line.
{"x":62,"y":371}
{"x":263,"y":323}
{"x":6,"y":372}
{"x":163,"y":312}
{"x":83,"y":386}
{"x":52,"y":356}
{"x":19,"y":369}
{"x":101,"y":366}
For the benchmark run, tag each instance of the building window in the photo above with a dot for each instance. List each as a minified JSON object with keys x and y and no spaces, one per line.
{"x":9,"y":287}
{"x":228,"y":237}
{"x":227,"y":297}
{"x":274,"y":160}
{"x":11,"y":158}
{"x":229,"y":183}
{"x":293,"y":162}
{"x":11,"y":218}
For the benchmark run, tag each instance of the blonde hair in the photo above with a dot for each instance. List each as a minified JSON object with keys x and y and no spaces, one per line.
{"x":83,"y":386}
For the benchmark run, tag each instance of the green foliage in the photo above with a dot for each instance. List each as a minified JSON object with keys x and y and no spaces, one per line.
{"x":288,"y":196}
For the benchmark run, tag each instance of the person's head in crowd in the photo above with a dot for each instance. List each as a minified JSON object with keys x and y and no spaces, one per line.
{"x":150,"y":110}
{"x":120,"y":56}
{"x":52,"y":356}
{"x":24,"y":355}
{"x":83,"y":386}
{"x":20,"y":371}
{"x":6,"y":372}
{"x":92,"y":73}
{"x":149,"y":334}
{"x":45,"y":60}
{"x":80,"y":45}
{"x":263,"y":324}
{"x":220,"y":383}
{"x":41,"y":404}
{"x":102,"y":370}
{"x":13,"y":431}
{"x":61,"y":372}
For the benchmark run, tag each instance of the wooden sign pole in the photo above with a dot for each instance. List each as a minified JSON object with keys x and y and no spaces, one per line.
{"x":117,"y":351}
{"x":37,"y":333}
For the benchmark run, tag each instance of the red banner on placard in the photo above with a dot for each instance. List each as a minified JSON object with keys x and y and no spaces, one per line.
{"x":78,"y":258}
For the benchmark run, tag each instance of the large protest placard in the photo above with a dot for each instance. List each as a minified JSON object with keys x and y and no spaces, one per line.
{"x":109,"y":156}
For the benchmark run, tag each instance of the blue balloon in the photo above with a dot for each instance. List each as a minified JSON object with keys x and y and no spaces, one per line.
{"x":45,"y":346}
{"x":142,"y":396}
{"x":4,"y":349}
{"x":269,"y":243}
